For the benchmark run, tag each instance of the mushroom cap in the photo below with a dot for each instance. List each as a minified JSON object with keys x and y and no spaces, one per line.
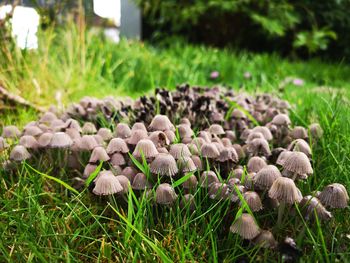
{"x":266,"y":176}
{"x":254,"y":135}
{"x":57,"y":125}
{"x":316,"y":130}
{"x":186,"y":165}
{"x":245,"y":226}
{"x":48,"y":117}
{"x":228,"y":154}
{"x":139,"y":126}
{"x":297,"y":162}
{"x":107,"y":184}
{"x":207,"y":178}
{"x":226,"y":142}
{"x":197,"y":161}
{"x":164,"y":164}
{"x":265,"y":239}
{"x":10,"y":131}
{"x":117,"y":145}
{"x":231,"y":135}
{"x":162,"y":150}
{"x":124,"y":182}
{"x":253,"y":200}
{"x":185,"y":131}
{"x":165,"y":194}
{"x":237,"y":114}
{"x":105,"y":133}
{"x":140,"y":182}
{"x":88,"y":143}
{"x":190,"y":183}
{"x":19,"y":153}
{"x":198,"y":141}
{"x":179,"y":150}
{"x":299,"y":145}
{"x":88,"y":170}
{"x":32,"y":131}
{"x":122,"y":130}
{"x":136,"y":136}
{"x":159,"y":139}
{"x":117,"y":159}
{"x":188,"y":200}
{"x":216,"y":129}
{"x":185,"y":121}
{"x":99,"y":154}
{"x":209,"y":150}
{"x":284,"y":190}
{"x":255,"y":164}
{"x":282,"y":157}
{"x":281,"y":120}
{"x":310,"y":205}
{"x":145,"y":147}
{"x":299,"y":132}
{"x":60,"y":140}
{"x":161,"y":123}
{"x":89,"y":128}
{"x":73,"y":133}
{"x":334,"y":196}
{"x":130,"y":172}
{"x":45,"y":139}
{"x":29,"y":142}
{"x":206,"y":136}
{"x":73,"y":124}
{"x":218,"y":191}
{"x":239,"y":150}
{"x":171,"y":135}
{"x":259,"y":147}
{"x":238,"y":172}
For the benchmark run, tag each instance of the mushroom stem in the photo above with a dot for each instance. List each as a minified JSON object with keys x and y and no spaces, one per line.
{"x":295,"y":176}
{"x":280,"y":213}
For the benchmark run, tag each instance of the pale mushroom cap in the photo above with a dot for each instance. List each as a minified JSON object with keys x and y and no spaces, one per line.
{"x":117,"y":159}
{"x":231,"y":135}
{"x":185,"y":131}
{"x":255,"y":135}
{"x":3,"y":144}
{"x":10,"y":132}
{"x":245,"y":226}
{"x":48,"y":117}
{"x":299,"y":132}
{"x":136,"y":136}
{"x":209,"y":150}
{"x":159,"y":138}
{"x":45,"y":139}
{"x":89,"y":128}
{"x":161,"y":123}
{"x":122,"y":130}
{"x":60,"y":140}
{"x":218,"y":191}
{"x":124,"y":182}
{"x":19,"y":153}
{"x":88,"y":170}
{"x":98,"y":154}
{"x":264,"y":131}
{"x":334,"y":196}
{"x":206,"y":136}
{"x":216,"y":129}
{"x":179,"y":150}
{"x":72,"y":133}
{"x":265,"y":239}
{"x":73,"y":124}
{"x":255,"y":164}
{"x":310,"y":205}
{"x":226,"y":142}
{"x":105,"y":133}
{"x":164,"y":164}
{"x":29,"y":142}
{"x":188,"y":200}
{"x":117,"y":145}
{"x":198,"y":141}
{"x":284,"y":190}
{"x":282,"y":157}
{"x":197,"y":161}
{"x":185,"y":121}
{"x":130,"y":173}
{"x":259,"y":147}
{"x":266,"y":176}
{"x":107,"y":184}
{"x":140,"y":182}
{"x":88,"y":143}
{"x":165,"y":194}
{"x":238,"y":172}
{"x":281,"y":119}
{"x":207,"y":178}
{"x":139,"y":126}
{"x":186,"y":165}
{"x":239,"y":150}
{"x":190,"y":183}
{"x":253,"y":200}
{"x":297,"y":162}
{"x":316,"y":130}
{"x":170,"y":134}
{"x":299,"y":145}
{"x":145,"y":147}
{"x":228,"y":154}
{"x":32,"y":131}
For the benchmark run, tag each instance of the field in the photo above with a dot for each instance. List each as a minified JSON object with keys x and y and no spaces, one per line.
{"x":41,"y":221}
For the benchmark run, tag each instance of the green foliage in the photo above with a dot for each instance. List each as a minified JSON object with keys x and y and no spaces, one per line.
{"x":314,"y":40}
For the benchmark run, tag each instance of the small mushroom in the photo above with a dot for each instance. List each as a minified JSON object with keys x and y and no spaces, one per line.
{"x":334,"y":196}
{"x":19,"y":153}
{"x":140,"y":182}
{"x":165,"y":194}
{"x":122,"y":130}
{"x":145,"y":147}
{"x":253,"y":200}
{"x":245,"y":226}
{"x":60,"y":140}
{"x":180,"y":150}
{"x":207,"y":178}
{"x":297,"y":163}
{"x":117,"y":145}
{"x":107,"y":184}
{"x":164,"y":164}
{"x":266,"y":176}
{"x":255,"y":164}
{"x":265,"y":239}
{"x":161,"y":123}
{"x":10,"y":132}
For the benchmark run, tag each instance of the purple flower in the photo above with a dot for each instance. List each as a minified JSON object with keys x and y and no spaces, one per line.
{"x":247,"y":75}
{"x":298,"y":82}
{"x":214,"y":74}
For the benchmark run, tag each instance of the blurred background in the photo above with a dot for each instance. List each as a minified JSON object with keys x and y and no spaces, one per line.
{"x":55,"y":52}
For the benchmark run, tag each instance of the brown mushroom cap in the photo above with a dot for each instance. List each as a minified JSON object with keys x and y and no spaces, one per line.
{"x":180,"y":150}
{"x":107,"y":184}
{"x":164,"y":164}
{"x":218,"y":191}
{"x":140,"y":182}
{"x":197,"y":161}
{"x":231,"y":135}
{"x":60,"y":140}
{"x":253,"y":200}
{"x":122,"y":130}
{"x":165,"y":194}
{"x":190,"y":183}
{"x":310,"y":205}
{"x":334,"y":196}
{"x":130,"y":173}
{"x":161,"y":123}
{"x":265,"y":239}
{"x":284,"y":190}
{"x":207,"y":178}
{"x":255,"y":164}
{"x":117,"y":145}
{"x":297,"y":162}
{"x":216,"y":129}
{"x":209,"y":150}
{"x":145,"y":147}
{"x":266,"y":176}
{"x":19,"y":153}
{"x":245,"y":226}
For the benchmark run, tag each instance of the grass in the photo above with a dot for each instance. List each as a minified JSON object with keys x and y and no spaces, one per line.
{"x":40,"y":220}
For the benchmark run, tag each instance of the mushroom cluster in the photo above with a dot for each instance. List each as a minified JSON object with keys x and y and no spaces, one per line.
{"x":238,"y":149}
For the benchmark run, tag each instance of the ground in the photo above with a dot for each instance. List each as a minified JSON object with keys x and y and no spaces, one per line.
{"x":41,"y":221}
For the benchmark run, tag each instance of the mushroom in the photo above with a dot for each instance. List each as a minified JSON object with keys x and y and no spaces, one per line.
{"x":165,"y":194}
{"x":310,"y":205}
{"x":207,"y":178}
{"x":89,"y":169}
{"x":60,"y":140}
{"x":117,"y":159}
{"x":99,"y":154}
{"x":105,"y":133}
{"x":210,"y":151}
{"x":334,"y":196}
{"x":218,"y":191}
{"x":124,"y":182}
{"x":136,"y":136}
{"x":245,"y":226}
{"x":164,"y":164}
{"x":299,"y":145}
{"x":10,"y":132}
{"x":186,"y":165}
{"x":316,"y":131}
{"x":139,"y":126}
{"x":265,"y":239}
{"x":253,"y":200}
{"x":189,"y":201}
{"x":179,"y":150}
{"x":216,"y":129}
{"x":159,"y":139}
{"x":266,"y":176}
{"x":29,"y":142}
{"x":255,"y":164}
{"x":107,"y":184}
{"x":88,"y":143}
{"x":140,"y":182}
{"x":190,"y":183}
{"x":32,"y":131}
{"x":298,"y":164}
{"x":122,"y":130}
{"x":259,"y":147}
{"x":89,"y":128}
{"x":19,"y":153}
{"x":161,"y":123}
{"x":3,"y":144}
{"x":117,"y":145}
{"x":146,"y":148}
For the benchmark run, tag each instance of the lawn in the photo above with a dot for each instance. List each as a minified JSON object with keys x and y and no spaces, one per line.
{"x":42,"y":221}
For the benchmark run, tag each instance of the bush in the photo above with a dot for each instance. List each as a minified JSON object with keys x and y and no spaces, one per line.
{"x":301,"y":27}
